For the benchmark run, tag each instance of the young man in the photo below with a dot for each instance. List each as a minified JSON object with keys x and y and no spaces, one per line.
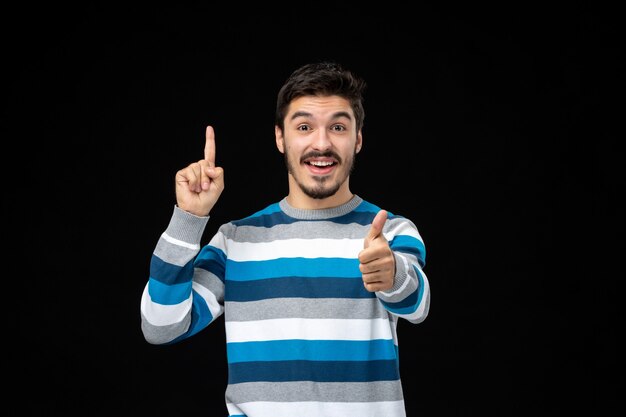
{"x":311,"y":287}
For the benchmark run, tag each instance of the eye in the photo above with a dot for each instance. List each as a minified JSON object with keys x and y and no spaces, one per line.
{"x":338,"y":128}
{"x":303,"y":128}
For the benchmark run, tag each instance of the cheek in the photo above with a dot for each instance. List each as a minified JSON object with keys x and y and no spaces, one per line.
{"x":350,"y":150}
{"x":292,"y":151}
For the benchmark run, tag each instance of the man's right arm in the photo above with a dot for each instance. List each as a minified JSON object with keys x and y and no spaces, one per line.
{"x":176,"y":302}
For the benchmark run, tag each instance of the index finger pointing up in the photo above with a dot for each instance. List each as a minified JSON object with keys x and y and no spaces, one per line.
{"x":209,"y":146}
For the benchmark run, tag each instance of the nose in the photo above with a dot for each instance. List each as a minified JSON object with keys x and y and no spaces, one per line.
{"x":321,"y":140}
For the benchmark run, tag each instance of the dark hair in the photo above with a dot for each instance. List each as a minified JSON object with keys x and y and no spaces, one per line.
{"x":322,"y":79}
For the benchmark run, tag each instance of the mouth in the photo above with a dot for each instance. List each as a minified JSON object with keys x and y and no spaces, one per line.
{"x":320,"y":166}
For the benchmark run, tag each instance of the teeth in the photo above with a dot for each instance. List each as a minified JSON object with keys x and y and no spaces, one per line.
{"x":321,"y":164}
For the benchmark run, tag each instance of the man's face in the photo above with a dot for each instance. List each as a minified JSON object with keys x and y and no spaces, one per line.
{"x":320,"y":141}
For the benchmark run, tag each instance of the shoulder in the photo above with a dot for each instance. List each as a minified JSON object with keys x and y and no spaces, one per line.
{"x":262,"y":218}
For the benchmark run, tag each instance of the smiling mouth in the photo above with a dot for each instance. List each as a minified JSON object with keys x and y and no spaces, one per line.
{"x":320,"y":167}
{"x":320,"y":164}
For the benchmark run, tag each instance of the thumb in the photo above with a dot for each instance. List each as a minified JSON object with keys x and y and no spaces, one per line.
{"x":377,"y":227}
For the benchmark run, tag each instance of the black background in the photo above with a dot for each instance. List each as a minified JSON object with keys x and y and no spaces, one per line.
{"x":493,"y":129}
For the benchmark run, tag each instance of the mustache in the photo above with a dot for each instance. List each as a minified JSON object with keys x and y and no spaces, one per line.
{"x":327,"y":154}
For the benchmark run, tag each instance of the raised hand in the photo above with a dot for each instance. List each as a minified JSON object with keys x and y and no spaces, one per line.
{"x":377,"y":263}
{"x":199,"y":185}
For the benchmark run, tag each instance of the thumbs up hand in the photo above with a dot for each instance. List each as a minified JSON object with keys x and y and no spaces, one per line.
{"x":377,"y":263}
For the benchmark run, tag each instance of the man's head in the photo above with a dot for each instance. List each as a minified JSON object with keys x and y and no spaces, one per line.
{"x":319,"y":117}
{"x":322,"y":79}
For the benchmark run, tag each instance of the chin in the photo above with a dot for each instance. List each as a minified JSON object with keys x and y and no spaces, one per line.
{"x":320,"y":193}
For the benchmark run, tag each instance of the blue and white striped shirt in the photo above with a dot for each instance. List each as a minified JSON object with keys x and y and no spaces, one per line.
{"x":303,"y":335}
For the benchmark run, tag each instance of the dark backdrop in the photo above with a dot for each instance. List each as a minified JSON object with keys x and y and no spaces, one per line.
{"x":494,"y":130}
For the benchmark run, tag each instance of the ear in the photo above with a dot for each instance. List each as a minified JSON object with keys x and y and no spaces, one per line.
{"x":359,"y":141}
{"x":280,"y":141}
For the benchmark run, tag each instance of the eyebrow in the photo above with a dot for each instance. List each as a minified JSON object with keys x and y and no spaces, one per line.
{"x":337,"y":115}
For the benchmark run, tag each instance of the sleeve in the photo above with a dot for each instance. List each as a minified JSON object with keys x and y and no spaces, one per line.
{"x":409,"y":298}
{"x":182,"y":295}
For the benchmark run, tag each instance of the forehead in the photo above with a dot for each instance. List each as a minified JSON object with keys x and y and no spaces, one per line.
{"x":319,"y":107}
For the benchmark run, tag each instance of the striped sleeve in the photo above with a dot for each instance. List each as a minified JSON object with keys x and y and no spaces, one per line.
{"x":184,"y":293}
{"x":409,"y":298}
